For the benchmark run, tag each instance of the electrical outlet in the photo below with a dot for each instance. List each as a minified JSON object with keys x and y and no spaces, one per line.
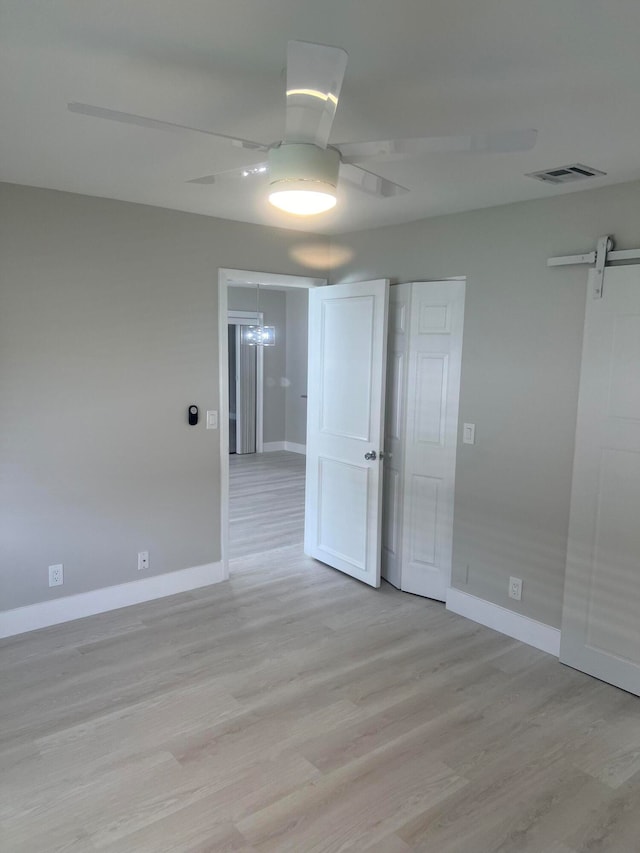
{"x":143,"y":560}
{"x":515,"y":588}
{"x":56,"y":575}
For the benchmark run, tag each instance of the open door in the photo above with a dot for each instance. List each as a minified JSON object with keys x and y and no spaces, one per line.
{"x":345,"y":423}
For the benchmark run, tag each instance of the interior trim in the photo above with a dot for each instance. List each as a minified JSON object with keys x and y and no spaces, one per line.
{"x":523,"y":628}
{"x":294,"y":447}
{"x":70,"y":607}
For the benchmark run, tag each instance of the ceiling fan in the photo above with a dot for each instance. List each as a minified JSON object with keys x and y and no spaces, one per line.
{"x":303,"y":169}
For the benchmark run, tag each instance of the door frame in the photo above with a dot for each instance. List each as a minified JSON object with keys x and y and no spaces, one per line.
{"x":248,"y":318}
{"x":228,"y":277}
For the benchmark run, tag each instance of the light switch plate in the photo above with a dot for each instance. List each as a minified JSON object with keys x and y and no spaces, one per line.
{"x":212,"y":420}
{"x":468,"y":433}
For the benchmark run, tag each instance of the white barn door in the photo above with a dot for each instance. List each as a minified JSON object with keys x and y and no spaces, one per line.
{"x":346,"y":393}
{"x":600,"y":617}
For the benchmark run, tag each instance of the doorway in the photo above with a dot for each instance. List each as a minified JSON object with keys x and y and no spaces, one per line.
{"x":350,"y":339}
{"x":262,"y":498}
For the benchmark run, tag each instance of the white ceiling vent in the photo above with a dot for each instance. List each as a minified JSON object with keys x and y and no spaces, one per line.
{"x":566,"y":174}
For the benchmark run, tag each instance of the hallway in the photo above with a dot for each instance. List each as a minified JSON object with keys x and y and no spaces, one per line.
{"x":266,"y":507}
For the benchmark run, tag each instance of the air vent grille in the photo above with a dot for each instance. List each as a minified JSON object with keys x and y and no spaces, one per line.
{"x":566,"y":174}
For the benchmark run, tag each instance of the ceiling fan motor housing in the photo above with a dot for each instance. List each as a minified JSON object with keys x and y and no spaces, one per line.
{"x":302,"y":165}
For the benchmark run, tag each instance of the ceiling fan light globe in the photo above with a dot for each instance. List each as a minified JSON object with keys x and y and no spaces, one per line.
{"x":303,"y":178}
{"x":302,"y":198}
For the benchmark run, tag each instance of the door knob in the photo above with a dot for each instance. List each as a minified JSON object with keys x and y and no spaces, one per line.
{"x":371,"y":455}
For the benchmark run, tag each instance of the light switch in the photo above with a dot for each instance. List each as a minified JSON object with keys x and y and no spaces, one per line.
{"x":468,"y":433}
{"x":212,"y":420}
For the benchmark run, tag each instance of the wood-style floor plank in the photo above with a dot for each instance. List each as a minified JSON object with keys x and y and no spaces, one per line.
{"x":266,"y":501}
{"x":294,"y":709}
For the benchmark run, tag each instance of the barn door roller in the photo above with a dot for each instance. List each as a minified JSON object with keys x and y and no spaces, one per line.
{"x":603,"y":255}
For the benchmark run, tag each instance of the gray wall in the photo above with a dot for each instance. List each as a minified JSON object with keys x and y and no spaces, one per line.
{"x":108,"y":330}
{"x":520,"y":372}
{"x":272,"y":306}
{"x":297,"y":327}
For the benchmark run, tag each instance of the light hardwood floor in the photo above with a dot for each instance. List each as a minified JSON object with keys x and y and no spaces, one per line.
{"x":266,"y":494}
{"x":295,"y":710}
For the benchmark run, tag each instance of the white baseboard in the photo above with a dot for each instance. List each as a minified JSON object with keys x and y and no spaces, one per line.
{"x":292,"y":447}
{"x":59,"y":610}
{"x":506,"y":621}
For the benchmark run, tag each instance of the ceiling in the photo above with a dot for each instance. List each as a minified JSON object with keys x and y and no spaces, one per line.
{"x":569,"y":68}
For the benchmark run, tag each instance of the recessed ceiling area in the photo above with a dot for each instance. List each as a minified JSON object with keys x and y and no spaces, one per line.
{"x":568,"y":68}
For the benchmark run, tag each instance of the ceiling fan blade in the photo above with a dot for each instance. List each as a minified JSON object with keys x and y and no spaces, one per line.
{"x":157,"y":124}
{"x":398,"y":149}
{"x":368,"y":182}
{"x":314,"y":79}
{"x":253,"y":171}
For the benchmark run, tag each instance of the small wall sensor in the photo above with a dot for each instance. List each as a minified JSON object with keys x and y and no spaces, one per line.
{"x":193,"y":415}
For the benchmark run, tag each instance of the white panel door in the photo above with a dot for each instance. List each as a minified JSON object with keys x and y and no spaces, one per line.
{"x":394,"y":433}
{"x":433,"y":391}
{"x":600,"y":616}
{"x":346,"y":394}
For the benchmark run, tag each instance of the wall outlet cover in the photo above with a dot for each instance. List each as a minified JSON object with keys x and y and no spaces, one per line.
{"x":56,"y":575}
{"x":515,"y":588}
